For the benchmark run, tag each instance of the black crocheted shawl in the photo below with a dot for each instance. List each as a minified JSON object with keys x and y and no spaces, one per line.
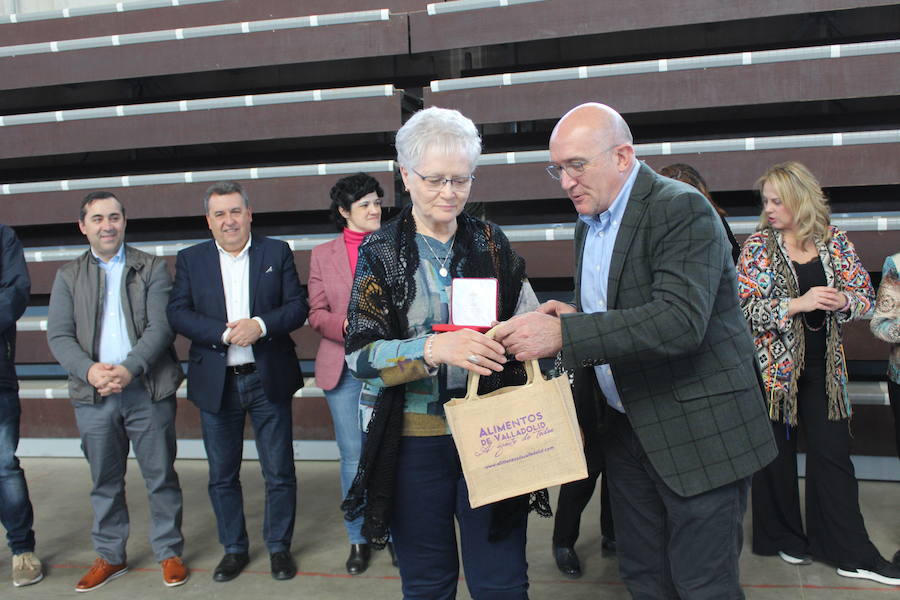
{"x":383,"y":290}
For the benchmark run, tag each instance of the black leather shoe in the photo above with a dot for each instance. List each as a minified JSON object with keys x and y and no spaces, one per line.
{"x":390,"y":549}
{"x":567,"y":561}
{"x":608,"y":544}
{"x":358,"y":561}
{"x":230,"y":566}
{"x":283,"y":565}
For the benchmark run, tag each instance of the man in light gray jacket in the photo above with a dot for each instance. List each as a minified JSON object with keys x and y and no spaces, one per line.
{"x":107,"y":327}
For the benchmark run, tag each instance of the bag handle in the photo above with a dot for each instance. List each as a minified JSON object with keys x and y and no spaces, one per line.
{"x":531,"y":367}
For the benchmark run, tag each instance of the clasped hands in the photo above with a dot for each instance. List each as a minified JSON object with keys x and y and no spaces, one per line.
{"x":244,"y":332}
{"x":527,"y":336}
{"x":108,"y":379}
{"x":822,"y":297}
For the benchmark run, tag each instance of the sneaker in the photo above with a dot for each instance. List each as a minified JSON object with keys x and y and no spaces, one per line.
{"x":896,"y":560}
{"x":883,"y":572}
{"x":101,"y":572}
{"x":795,"y":559}
{"x":26,"y":569}
{"x":174,"y":571}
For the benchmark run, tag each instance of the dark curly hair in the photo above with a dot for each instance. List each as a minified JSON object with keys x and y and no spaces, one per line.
{"x":348,"y":190}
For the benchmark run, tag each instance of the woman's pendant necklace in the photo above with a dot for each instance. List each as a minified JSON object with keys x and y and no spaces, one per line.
{"x":443,"y":270}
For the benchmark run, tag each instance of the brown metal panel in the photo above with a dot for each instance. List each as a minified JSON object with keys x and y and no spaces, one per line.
{"x":836,"y":166}
{"x":799,"y":81}
{"x":860,"y":344}
{"x":32,"y":347}
{"x":543,"y":258}
{"x":288,"y":46}
{"x":547,"y":259}
{"x":301,"y":119}
{"x":863,"y":165}
{"x":192,"y":15}
{"x":55,"y":418}
{"x":566,"y":18}
{"x":184,"y":199}
{"x":43,"y":273}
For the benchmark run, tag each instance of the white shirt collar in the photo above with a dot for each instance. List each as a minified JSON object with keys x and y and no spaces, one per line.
{"x":118,"y":257}
{"x":240,"y":254}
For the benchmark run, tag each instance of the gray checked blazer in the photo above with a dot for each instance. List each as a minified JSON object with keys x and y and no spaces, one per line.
{"x":674,"y":336}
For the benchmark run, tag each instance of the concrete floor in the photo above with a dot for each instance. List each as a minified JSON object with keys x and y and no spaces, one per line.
{"x":60,"y":488}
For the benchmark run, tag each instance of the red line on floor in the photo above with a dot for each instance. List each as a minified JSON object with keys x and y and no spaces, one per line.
{"x":807,"y":586}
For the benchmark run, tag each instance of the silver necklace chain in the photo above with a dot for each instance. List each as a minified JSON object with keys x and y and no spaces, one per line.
{"x":443,"y":270}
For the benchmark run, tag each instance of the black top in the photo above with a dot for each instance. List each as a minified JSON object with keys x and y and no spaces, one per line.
{"x":809,"y":275}
{"x":735,"y":247}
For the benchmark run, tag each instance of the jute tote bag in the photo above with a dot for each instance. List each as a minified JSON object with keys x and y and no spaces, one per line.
{"x":516,"y":439}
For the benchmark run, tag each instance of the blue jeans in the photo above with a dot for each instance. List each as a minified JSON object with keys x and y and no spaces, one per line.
{"x":430,"y":491}
{"x":343,"y":402}
{"x":223,"y":438}
{"x":15,"y":507}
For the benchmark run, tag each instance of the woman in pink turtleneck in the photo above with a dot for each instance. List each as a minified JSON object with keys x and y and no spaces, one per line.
{"x":356,"y":210}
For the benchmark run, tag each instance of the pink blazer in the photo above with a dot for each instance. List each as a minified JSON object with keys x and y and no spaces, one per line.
{"x":329,"y":285}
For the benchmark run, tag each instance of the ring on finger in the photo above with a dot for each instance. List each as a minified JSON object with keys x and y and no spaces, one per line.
{"x":474,"y":359}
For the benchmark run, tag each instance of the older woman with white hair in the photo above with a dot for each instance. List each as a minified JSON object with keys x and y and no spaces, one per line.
{"x":409,"y":480}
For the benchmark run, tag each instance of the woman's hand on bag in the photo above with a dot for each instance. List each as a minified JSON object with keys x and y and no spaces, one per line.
{"x":470,"y":350}
{"x":818,"y":298}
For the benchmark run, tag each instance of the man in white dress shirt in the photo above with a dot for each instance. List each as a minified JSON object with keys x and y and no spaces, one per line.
{"x":238,"y":298}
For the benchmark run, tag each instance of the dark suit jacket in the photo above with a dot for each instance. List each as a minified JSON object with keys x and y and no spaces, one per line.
{"x":679,"y":347}
{"x":15,"y":290}
{"x":197,"y":311}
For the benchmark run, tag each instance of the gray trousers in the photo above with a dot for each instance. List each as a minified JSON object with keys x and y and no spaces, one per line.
{"x":670,"y":547}
{"x":106,"y":429}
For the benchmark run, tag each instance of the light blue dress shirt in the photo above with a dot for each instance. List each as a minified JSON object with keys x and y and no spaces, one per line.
{"x":114,"y":342}
{"x":598,"y":248}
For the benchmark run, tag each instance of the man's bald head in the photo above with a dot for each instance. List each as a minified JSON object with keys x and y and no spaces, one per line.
{"x":592,"y":146}
{"x":605,"y":121}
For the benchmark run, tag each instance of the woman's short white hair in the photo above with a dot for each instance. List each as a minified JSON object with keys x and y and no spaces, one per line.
{"x":442,"y":130}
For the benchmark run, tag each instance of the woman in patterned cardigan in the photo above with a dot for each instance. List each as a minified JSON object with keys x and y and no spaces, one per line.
{"x":800,"y":279}
{"x":885,"y":325}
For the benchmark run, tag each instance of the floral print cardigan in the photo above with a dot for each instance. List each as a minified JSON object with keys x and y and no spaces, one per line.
{"x":886,"y":320}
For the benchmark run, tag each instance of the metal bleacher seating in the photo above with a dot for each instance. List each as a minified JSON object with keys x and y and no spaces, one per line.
{"x":155,"y":99}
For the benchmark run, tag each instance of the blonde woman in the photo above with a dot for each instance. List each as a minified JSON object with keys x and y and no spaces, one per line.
{"x":800,"y":280}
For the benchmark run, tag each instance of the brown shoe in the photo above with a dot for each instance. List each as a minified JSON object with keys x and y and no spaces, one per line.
{"x":99,"y":574}
{"x":174,"y":571}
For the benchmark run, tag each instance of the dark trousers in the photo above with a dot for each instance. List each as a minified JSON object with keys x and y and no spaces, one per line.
{"x":835,"y":531}
{"x":15,"y":507}
{"x":430,"y":493}
{"x":573,"y":498}
{"x":671,"y":547}
{"x":223,"y":438}
{"x":894,"y":395}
